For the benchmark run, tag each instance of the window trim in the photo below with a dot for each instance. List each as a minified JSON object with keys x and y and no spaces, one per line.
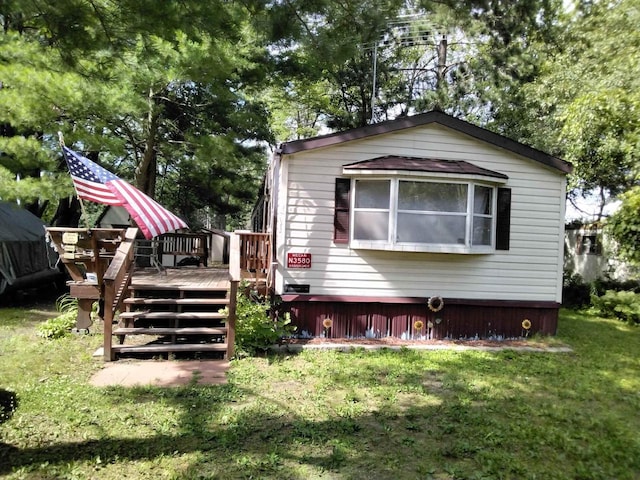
{"x":392,"y":244}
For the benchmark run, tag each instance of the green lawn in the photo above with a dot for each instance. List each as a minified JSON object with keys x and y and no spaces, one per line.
{"x":360,"y":415}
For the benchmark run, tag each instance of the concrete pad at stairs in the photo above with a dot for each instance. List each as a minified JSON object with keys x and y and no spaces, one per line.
{"x":170,"y":373}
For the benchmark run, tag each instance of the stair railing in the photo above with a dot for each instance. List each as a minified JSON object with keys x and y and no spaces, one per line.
{"x":115,"y":284}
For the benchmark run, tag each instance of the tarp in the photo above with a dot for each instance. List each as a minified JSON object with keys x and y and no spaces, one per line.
{"x":18,"y":224}
{"x":24,"y":252}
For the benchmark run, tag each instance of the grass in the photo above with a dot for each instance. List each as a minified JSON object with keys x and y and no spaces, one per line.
{"x":328,"y":415}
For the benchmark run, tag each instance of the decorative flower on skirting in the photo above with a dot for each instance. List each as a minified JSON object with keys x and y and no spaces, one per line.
{"x":526,"y":324}
{"x":327,"y":323}
{"x":429,"y":324}
{"x":435,"y":304}
{"x":417,"y":325}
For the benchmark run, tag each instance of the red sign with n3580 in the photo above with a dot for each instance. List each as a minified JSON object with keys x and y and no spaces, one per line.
{"x":298,"y":260}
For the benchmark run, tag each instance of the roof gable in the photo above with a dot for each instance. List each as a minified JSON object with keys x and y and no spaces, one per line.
{"x":439,"y":118}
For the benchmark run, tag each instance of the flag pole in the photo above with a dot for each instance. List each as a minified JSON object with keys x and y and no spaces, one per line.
{"x":83,"y":212}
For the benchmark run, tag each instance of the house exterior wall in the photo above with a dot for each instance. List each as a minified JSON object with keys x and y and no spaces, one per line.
{"x":531,"y":270}
{"x":596,"y":263}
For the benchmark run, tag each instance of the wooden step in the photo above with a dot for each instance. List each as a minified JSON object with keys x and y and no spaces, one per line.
{"x":171,"y":331}
{"x":172,"y":315}
{"x":170,"y":347}
{"x":176,"y":301}
{"x":177,"y":288}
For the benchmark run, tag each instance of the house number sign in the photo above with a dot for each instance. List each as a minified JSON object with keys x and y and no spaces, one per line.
{"x":298,"y":260}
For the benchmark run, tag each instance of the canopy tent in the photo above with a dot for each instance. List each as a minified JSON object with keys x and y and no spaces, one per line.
{"x":25,"y":256}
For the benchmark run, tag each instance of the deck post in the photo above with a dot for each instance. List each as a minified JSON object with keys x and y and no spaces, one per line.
{"x":231,"y":320}
{"x":109,"y":298}
{"x":234,"y":279}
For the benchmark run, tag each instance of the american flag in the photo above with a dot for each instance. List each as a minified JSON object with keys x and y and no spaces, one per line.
{"x":98,"y":185}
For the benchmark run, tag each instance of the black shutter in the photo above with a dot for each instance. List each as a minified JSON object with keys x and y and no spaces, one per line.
{"x":503,"y":220}
{"x":341,"y":213}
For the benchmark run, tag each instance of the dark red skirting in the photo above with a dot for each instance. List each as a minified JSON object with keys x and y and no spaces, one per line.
{"x":460,"y":318}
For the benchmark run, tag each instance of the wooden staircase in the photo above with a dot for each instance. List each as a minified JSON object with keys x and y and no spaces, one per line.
{"x":172,"y":311}
{"x":161,"y":319}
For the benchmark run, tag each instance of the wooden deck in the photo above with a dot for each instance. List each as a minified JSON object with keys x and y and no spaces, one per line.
{"x":183,"y":304}
{"x":182,"y":278}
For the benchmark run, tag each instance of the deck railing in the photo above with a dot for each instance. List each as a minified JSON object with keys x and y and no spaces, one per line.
{"x":116,"y":281}
{"x":255,"y":255}
{"x":185,"y":244}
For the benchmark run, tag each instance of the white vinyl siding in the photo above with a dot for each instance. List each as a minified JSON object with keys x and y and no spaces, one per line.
{"x":529,"y":270}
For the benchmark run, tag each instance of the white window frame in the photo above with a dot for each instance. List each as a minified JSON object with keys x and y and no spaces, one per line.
{"x":392,"y":244}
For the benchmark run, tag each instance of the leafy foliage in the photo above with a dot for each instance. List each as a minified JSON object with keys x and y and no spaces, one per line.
{"x":146,"y":99}
{"x":61,"y":325}
{"x":583,"y":104}
{"x":624,"y":305}
{"x":256,"y":328}
{"x":624,"y":225}
{"x":576,"y":293}
{"x":372,"y":60}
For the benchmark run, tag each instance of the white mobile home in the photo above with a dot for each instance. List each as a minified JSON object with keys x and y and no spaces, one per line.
{"x":421,"y":226}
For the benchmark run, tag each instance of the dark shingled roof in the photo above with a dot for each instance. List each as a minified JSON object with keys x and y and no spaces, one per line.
{"x":439,"y":118}
{"x":415,"y":164}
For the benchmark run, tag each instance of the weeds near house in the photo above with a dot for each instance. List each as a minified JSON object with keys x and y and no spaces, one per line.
{"x":256,"y":328}
{"x":327,"y":415}
{"x":62,"y":324}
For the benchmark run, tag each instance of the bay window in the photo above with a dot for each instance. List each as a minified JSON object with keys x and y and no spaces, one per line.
{"x":423,"y":215}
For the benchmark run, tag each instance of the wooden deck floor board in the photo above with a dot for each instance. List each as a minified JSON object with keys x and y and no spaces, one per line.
{"x":186,"y":278}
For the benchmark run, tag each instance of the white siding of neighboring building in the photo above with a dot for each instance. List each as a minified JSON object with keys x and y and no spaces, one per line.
{"x":530,"y":270}
{"x":593,"y":266}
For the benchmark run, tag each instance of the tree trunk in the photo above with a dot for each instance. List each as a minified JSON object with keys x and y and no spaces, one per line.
{"x":441,"y":84}
{"x":145,"y":175}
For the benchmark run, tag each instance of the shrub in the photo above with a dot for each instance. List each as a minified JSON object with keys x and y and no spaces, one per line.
{"x":256,"y":328}
{"x":62,"y":324}
{"x":624,"y":305}
{"x":601,"y":285}
{"x":575,"y":291}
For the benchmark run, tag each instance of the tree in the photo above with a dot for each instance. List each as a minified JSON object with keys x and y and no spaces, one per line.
{"x":624,"y":225}
{"x":147,"y":89}
{"x":584,"y":104}
{"x":377,"y":59}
